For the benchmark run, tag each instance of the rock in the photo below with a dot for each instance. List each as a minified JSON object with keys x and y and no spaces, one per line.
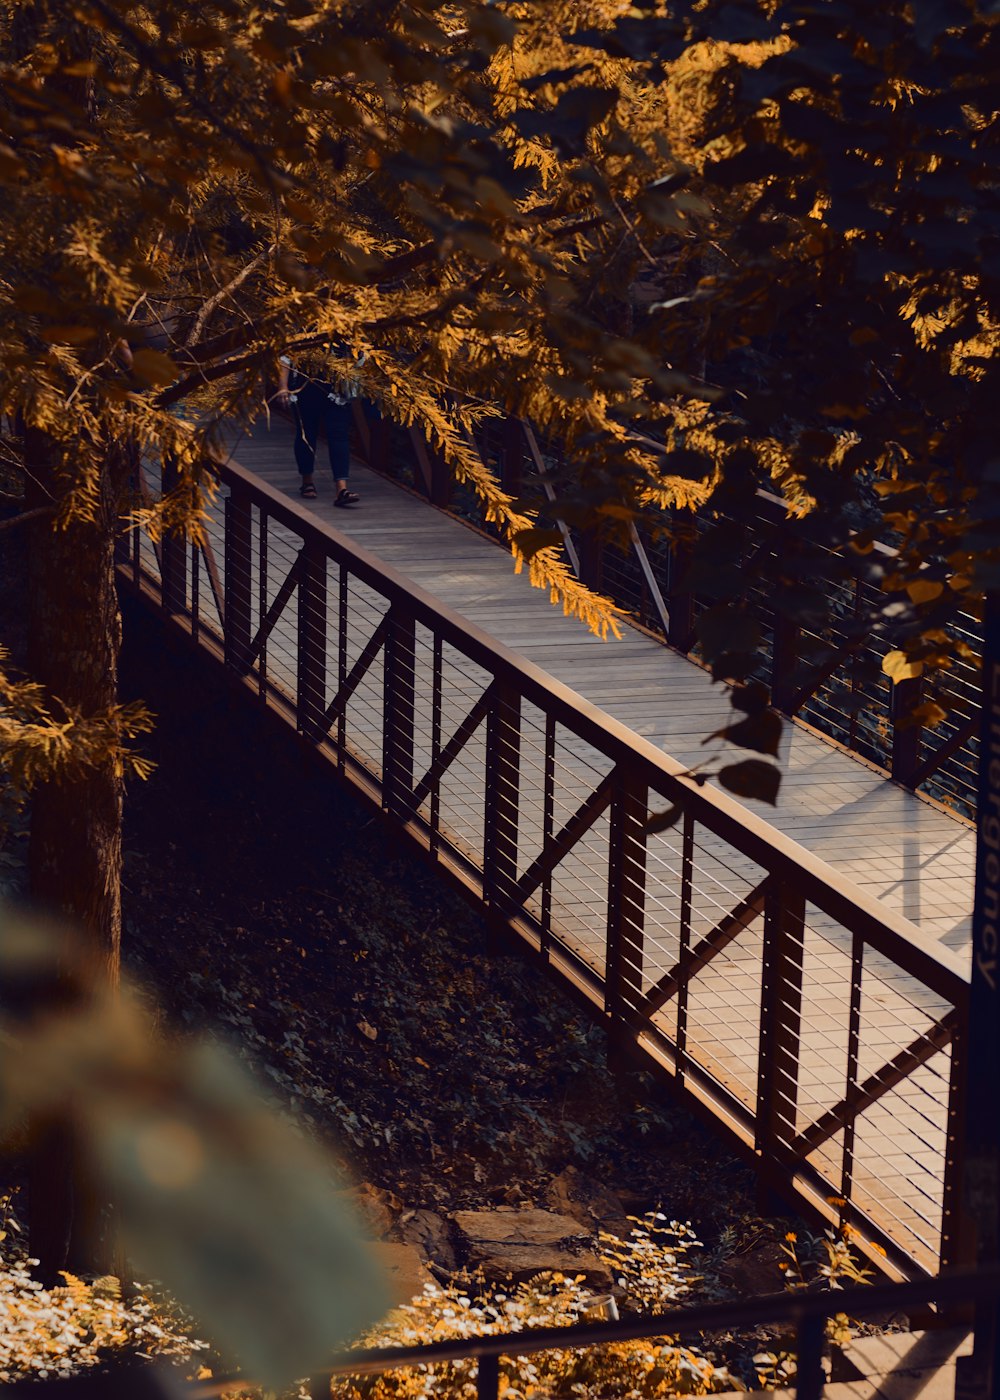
{"x":756,"y":1274}
{"x":589,"y":1202}
{"x":518,"y":1244}
{"x":404,"y":1269}
{"x":517,"y":1227}
{"x":429,"y":1232}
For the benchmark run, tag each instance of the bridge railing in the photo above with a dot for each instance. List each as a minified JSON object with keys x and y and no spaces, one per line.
{"x":958,"y":1298}
{"x":823,"y":1032}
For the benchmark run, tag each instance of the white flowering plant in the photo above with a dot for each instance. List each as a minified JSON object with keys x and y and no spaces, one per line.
{"x":654,"y":1367}
{"x":652,"y":1264}
{"x":50,"y":1332}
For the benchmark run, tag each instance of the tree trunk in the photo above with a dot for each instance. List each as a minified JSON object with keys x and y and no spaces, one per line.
{"x":75,"y":848}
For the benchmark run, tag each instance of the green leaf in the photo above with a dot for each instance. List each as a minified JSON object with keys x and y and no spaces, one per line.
{"x":752,"y":778}
{"x":68,"y":335}
{"x":929,"y":714}
{"x":924,"y":590}
{"x":237,"y":1213}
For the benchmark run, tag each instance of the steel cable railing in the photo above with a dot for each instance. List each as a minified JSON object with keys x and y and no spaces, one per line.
{"x":822,"y":1031}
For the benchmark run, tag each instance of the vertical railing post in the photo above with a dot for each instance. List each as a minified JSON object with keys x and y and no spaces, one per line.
{"x":173,"y":552}
{"x":262,"y":603}
{"x":343,"y":617}
{"x":853,"y":1065}
{"x":488,"y":1378}
{"x":958,"y":1243}
{"x":512,"y":456}
{"x":810,"y":1378}
{"x":680,"y":600}
{"x":195,"y":591}
{"x":503,"y":766}
{"x":906,"y":731}
{"x":399,"y":679}
{"x":684,"y":949}
{"x":437,"y":706}
{"x":784,"y":660}
{"x":238,"y":579}
{"x":548,"y":827}
{"x":626,"y":908}
{"x":311,"y":667}
{"x":440,"y":481}
{"x":433,"y":473}
{"x":362,"y":430}
{"x":780,"y":1024}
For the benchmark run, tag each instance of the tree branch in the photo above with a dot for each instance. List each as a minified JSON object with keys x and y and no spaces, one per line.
{"x":27,"y":515}
{"x":222,"y":293}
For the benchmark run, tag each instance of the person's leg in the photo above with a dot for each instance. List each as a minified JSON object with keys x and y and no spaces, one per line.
{"x":308,"y":414}
{"x":338,"y":439}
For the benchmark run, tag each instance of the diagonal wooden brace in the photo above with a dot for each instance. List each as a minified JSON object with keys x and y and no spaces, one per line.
{"x":900,"y":1067}
{"x":578,"y":825}
{"x":340,"y":701}
{"x":730,"y":926}
{"x":275,"y":610}
{"x":453,"y":748}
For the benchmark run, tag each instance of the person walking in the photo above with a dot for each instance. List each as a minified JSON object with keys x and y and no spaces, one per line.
{"x":318,"y":401}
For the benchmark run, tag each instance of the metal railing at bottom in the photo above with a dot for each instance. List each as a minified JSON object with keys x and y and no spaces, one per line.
{"x":948,"y":1299}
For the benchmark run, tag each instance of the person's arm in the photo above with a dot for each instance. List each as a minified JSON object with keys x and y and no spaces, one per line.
{"x":283,"y":395}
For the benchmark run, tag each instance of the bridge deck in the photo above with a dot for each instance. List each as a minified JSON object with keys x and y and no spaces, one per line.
{"x":898,"y":847}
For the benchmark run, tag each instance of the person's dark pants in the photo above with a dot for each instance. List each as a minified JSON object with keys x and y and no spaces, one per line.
{"x":315,"y":410}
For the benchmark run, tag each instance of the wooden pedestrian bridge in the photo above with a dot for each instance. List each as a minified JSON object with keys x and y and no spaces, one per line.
{"x":799,"y":972}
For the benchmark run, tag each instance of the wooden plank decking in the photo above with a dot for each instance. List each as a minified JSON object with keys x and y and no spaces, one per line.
{"x":905,"y":851}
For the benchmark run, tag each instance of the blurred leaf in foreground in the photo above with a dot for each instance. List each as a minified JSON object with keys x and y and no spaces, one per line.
{"x":217,"y":1196}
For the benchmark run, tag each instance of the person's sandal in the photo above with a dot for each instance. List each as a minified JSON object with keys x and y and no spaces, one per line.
{"x":347,"y":498}
{"x":308,"y":491}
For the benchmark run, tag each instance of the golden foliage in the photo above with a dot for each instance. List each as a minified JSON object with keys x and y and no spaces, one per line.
{"x":52,"y":1332}
{"x":654,"y":1367}
{"x":38,"y":745}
